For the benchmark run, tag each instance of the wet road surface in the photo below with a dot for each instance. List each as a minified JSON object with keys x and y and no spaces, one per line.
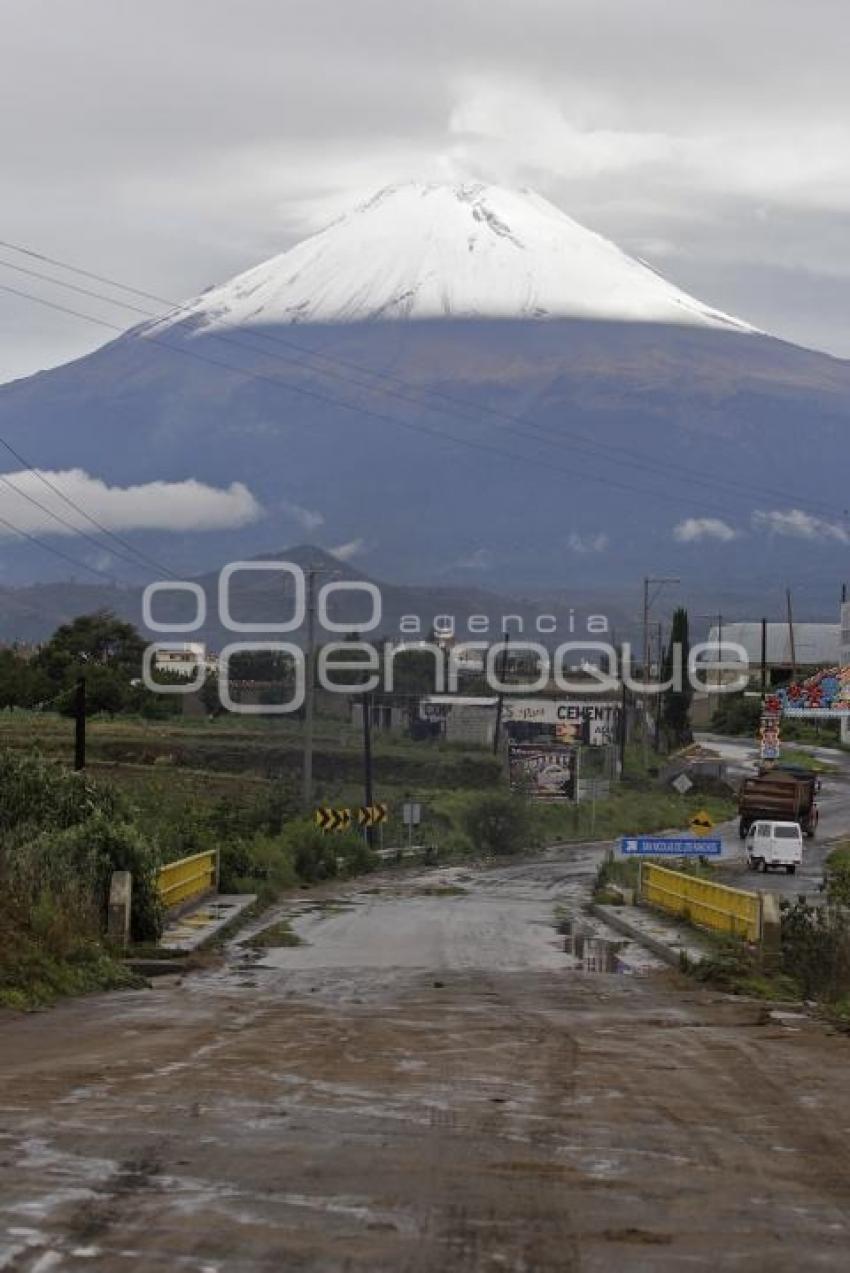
{"x":429,"y":1083}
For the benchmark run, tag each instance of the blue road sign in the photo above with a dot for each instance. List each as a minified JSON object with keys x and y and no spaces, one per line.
{"x":657,"y":847}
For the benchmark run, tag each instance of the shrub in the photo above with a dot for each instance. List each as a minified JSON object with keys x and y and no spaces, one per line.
{"x":837,"y":876}
{"x":816,"y":949}
{"x":58,"y":881}
{"x":260,"y":863}
{"x":357,"y":857}
{"x":736,"y":714}
{"x":498,"y":822}
{"x":38,"y":793}
{"x":314,"y":853}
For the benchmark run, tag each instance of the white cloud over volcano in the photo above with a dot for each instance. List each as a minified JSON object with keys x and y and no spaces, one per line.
{"x":32,"y":502}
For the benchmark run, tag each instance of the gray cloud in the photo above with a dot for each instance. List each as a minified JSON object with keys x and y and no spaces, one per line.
{"x":173,"y":145}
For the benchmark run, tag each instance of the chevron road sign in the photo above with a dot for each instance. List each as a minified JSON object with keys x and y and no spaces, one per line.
{"x":328,"y":819}
{"x":372,"y":815}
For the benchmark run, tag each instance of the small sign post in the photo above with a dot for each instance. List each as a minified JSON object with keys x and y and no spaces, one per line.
{"x":411,"y":816}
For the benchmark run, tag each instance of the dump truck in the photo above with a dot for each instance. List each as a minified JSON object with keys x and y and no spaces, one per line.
{"x":778,"y":795}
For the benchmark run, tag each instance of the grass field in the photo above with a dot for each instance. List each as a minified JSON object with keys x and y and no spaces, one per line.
{"x":175,"y":768}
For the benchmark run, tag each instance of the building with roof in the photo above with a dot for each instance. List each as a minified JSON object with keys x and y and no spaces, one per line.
{"x":813,"y":645}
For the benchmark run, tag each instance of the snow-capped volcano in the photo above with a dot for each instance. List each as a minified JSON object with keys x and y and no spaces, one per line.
{"x":548,"y":448}
{"x":419,"y":251}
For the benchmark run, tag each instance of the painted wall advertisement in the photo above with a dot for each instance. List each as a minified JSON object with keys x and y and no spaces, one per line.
{"x":574,"y":720}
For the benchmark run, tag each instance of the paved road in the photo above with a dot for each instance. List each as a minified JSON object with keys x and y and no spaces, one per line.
{"x":430,"y":1084}
{"x":834,"y":825}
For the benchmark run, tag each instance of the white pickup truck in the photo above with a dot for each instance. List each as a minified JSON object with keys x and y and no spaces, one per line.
{"x":774,"y":844}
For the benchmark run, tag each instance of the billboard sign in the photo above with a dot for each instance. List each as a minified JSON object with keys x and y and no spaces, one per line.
{"x":543,"y":770}
{"x":567,"y":715}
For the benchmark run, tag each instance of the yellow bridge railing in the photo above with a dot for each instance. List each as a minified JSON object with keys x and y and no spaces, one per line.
{"x":708,"y":905}
{"x":190,"y":877}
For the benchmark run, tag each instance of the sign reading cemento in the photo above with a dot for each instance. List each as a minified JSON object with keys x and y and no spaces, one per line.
{"x":569,"y":715}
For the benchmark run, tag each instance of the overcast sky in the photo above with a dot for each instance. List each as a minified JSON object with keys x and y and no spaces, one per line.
{"x":172,"y":143}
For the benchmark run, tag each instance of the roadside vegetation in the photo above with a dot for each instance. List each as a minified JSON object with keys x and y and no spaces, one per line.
{"x":61,"y":838}
{"x":804,"y":760}
{"x":739,"y":714}
{"x":813,"y":962}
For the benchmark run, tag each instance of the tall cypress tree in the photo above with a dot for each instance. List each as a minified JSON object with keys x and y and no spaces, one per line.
{"x":675,"y":715}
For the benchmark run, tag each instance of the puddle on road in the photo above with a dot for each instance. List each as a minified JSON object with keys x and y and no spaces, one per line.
{"x":594,"y":954}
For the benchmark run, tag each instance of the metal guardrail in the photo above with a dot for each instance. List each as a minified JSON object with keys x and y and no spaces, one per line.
{"x":180,"y":881}
{"x":708,"y":905}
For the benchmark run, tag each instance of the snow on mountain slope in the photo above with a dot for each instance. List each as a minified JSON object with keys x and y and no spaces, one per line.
{"x":432,"y":251}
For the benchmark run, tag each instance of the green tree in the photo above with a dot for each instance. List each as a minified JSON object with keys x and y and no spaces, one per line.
{"x":22,"y":682}
{"x":676,"y":704}
{"x":100,"y":639}
{"x":103,"y":648}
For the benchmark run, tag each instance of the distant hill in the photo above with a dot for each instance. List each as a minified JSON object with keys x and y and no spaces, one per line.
{"x":32,"y":613}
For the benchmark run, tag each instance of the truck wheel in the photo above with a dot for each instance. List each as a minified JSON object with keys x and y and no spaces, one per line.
{"x":791,"y":868}
{"x":764,"y":865}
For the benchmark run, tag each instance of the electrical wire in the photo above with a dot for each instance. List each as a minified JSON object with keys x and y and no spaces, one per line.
{"x":247,"y":373}
{"x":57,"y":552}
{"x":618,"y":455}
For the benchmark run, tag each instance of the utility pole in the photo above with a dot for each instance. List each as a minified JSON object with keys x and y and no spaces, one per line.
{"x":367,"y":761}
{"x":309,"y":697}
{"x":623,"y":728}
{"x":718,"y":620}
{"x":791,"y":634}
{"x":659,"y":697}
{"x":80,"y":724}
{"x":506,"y":640}
{"x":658,"y":584}
{"x":764,"y":656}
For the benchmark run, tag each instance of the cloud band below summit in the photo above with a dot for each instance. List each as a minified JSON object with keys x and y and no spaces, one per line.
{"x":31,"y":502}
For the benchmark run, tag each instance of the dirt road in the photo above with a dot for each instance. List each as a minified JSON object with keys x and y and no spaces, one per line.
{"x":429,"y":1083}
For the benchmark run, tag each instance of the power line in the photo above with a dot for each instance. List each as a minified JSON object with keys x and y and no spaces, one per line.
{"x":539,"y":462}
{"x":144,"y":558}
{"x":57,"y":552}
{"x":139,"y":557}
{"x":76,"y":530}
{"x":626,"y":456}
